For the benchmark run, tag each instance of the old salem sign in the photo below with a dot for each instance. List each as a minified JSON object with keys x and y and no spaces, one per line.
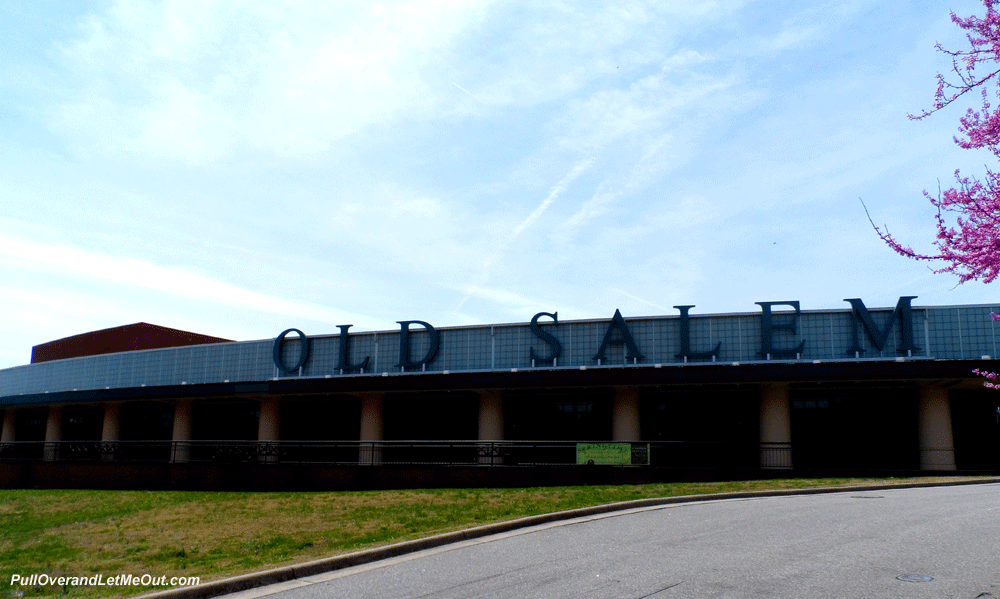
{"x":618,"y":333}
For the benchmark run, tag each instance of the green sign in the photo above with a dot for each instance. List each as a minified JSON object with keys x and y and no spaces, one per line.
{"x":616,"y":454}
{"x":640,"y":453}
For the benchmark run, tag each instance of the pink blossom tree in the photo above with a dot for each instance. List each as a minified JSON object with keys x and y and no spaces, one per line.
{"x":969,"y":248}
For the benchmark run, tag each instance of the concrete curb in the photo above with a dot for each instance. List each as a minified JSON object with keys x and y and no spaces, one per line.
{"x":235,"y":584}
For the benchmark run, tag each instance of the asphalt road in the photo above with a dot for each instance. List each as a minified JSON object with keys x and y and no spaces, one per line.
{"x":925,"y":542}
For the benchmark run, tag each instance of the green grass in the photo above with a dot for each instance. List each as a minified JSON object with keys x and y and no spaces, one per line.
{"x":214,"y":535}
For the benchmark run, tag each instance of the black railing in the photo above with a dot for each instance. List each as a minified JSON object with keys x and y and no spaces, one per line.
{"x":406,"y":453}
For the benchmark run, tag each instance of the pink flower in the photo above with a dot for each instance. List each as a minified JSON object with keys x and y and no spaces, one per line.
{"x":969,"y":245}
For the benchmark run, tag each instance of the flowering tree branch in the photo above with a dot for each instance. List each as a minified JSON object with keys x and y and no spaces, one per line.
{"x":970,"y":246}
{"x":968,"y":215}
{"x":990,"y":376}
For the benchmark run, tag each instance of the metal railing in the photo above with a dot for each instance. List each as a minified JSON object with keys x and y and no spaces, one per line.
{"x":403,"y":453}
{"x":775,"y":455}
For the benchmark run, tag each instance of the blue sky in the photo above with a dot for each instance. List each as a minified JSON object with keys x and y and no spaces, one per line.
{"x":238,"y":171}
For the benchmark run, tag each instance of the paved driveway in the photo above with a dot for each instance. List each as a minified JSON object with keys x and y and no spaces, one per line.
{"x":924,"y":542}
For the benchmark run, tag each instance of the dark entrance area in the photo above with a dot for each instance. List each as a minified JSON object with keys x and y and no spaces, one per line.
{"x":558,"y":414}
{"x":233,"y":420}
{"x":81,"y":427}
{"x":433,"y":416}
{"x":225,"y":420}
{"x":146,"y":422}
{"x":306,"y":419}
{"x":569,"y":415}
{"x":855,"y":428}
{"x":82,"y":423}
{"x":145,"y":429}
{"x":975,"y":422}
{"x":29,"y":425}
{"x":448,"y":416}
{"x":326,"y":418}
{"x":702,"y":427}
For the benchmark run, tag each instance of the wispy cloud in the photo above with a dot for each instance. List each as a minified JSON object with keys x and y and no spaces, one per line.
{"x":637,"y":299}
{"x":556,"y":191}
{"x":196,"y":82}
{"x":471,"y":95}
{"x":507,"y":239}
{"x":75,"y":263}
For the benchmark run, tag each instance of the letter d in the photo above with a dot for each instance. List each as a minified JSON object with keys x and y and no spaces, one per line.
{"x":404,"y":344}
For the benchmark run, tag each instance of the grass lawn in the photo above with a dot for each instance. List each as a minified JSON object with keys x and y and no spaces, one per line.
{"x":214,"y":535}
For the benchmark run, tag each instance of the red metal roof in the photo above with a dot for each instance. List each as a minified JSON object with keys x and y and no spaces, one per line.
{"x":129,"y":337}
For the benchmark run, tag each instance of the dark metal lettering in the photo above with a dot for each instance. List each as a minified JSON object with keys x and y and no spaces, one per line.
{"x":404,"y":344}
{"x":686,"y":338}
{"x":279,"y":342}
{"x":767,"y":329}
{"x":623,"y":336}
{"x":879,"y":337}
{"x":345,"y":350}
{"x":545,"y":336}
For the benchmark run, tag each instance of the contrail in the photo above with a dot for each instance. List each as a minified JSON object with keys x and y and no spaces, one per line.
{"x":555,"y":192}
{"x":466,"y":91}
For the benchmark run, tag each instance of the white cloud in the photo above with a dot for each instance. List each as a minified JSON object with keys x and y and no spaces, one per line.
{"x":73,"y":263}
{"x":666,"y":100}
{"x":404,"y":229}
{"x":512,"y":301}
{"x":663,"y":309}
{"x":197,"y":82}
{"x":193,"y":81}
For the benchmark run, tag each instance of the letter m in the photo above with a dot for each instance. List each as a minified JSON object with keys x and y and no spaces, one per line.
{"x":879,"y":337}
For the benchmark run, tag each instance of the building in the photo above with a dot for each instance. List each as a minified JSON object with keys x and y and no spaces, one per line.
{"x":775,"y":391}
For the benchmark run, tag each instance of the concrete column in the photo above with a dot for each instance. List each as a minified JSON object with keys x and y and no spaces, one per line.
{"x":269,"y":423}
{"x":937,"y":444}
{"x":490,"y":416}
{"x":110,"y":430}
{"x":110,"y":433}
{"x":775,"y":427}
{"x":9,"y":425}
{"x":182,"y":431}
{"x":490,"y":427}
{"x":268,"y":427}
{"x":625,"y":415}
{"x":371,"y":428}
{"x":53,"y":433}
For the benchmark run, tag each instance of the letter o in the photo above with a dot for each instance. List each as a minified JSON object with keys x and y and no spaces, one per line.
{"x":280,"y":341}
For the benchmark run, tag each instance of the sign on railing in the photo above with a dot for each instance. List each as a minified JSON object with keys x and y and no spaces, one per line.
{"x":613,"y":454}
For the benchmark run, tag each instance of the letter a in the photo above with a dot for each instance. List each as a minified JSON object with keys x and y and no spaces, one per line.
{"x":617,"y":322}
